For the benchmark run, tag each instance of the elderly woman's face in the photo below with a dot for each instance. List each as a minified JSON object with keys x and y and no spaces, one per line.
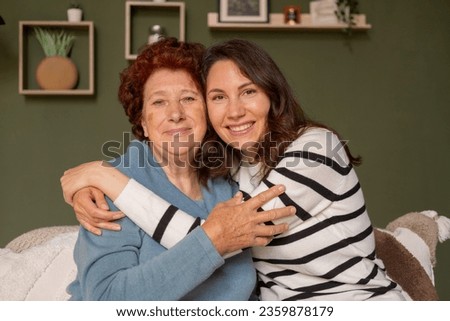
{"x":174,"y":114}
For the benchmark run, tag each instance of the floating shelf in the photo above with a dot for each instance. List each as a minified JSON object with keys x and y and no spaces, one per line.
{"x":276,"y":22}
{"x":140,"y":15}
{"x":28,"y":61}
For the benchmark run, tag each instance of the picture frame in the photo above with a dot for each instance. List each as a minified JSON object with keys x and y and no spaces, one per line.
{"x":244,"y":11}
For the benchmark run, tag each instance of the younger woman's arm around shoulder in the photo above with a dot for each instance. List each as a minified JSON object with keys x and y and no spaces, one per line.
{"x":97,"y":174}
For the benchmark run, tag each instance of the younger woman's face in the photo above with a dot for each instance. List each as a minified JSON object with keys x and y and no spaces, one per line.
{"x":237,"y":108}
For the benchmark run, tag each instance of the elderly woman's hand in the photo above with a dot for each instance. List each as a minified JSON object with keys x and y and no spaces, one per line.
{"x":233,"y":225}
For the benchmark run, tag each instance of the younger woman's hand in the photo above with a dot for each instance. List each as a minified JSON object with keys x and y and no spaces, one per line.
{"x":81,"y":176}
{"x":97,"y":174}
{"x":92,"y":211}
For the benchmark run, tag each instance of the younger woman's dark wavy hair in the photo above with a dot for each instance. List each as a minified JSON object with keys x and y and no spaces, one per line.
{"x":286,"y":119}
{"x":166,"y":53}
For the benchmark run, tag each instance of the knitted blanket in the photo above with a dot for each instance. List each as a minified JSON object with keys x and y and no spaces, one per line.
{"x":40,"y":272}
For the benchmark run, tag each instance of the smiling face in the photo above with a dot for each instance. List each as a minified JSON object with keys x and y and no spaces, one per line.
{"x":237,"y":108}
{"x":173,"y":116}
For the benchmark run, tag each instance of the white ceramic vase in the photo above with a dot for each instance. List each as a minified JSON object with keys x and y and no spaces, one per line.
{"x":74,"y":14}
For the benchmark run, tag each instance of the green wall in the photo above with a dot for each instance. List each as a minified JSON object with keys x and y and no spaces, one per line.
{"x":386,"y":90}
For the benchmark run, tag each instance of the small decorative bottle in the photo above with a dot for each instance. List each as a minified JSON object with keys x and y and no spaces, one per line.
{"x":156,"y":33}
{"x":292,"y":16}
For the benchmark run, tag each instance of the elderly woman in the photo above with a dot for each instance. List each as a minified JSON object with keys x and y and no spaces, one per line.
{"x":162,"y":96}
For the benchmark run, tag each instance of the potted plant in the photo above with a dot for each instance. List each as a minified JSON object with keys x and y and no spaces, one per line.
{"x":56,"y":70}
{"x":346,"y":10}
{"x":74,"y":13}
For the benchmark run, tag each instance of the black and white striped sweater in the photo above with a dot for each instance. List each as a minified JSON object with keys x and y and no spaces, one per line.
{"x":328,"y":253}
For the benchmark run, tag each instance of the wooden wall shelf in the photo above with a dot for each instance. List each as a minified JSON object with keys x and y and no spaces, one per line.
{"x":276,"y":22}
{"x":152,"y":13}
{"x":28,"y":60}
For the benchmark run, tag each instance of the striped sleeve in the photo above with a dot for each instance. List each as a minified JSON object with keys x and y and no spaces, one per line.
{"x":158,"y":218}
{"x":164,"y":222}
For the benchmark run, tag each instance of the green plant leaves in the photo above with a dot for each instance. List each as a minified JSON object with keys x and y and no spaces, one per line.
{"x":55,"y":42}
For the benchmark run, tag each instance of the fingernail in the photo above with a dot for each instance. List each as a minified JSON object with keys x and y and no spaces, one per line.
{"x":281,"y":188}
{"x":293,"y":210}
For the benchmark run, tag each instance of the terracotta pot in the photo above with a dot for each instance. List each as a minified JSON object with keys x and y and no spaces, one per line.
{"x":56,"y":72}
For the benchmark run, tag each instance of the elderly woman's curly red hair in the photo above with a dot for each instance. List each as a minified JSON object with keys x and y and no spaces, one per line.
{"x":166,"y":53}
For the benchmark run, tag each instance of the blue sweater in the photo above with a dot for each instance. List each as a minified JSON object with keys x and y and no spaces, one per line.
{"x":130,"y":265}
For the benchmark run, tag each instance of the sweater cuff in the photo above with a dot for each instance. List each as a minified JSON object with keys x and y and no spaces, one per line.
{"x":209,"y":249}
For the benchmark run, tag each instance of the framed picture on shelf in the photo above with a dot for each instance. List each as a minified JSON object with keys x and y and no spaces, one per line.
{"x":243,"y":10}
